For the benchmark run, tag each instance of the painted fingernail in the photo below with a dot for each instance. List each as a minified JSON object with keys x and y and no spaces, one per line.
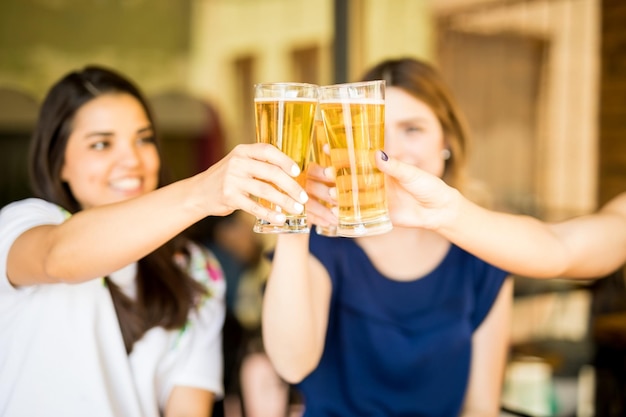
{"x":299,"y":208}
{"x":295,"y":171}
{"x":332,"y":192}
{"x":281,"y":218}
{"x":383,"y":156}
{"x":304,"y":197}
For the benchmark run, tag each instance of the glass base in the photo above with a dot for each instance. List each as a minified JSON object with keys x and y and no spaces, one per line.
{"x":377,"y":227}
{"x":291,"y":225}
{"x":328,"y":231}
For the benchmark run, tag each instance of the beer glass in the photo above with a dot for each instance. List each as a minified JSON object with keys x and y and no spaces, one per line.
{"x":354,"y":120}
{"x":321,"y":158}
{"x":284,"y":115}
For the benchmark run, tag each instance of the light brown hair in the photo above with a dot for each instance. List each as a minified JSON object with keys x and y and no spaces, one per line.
{"x":422,"y":81}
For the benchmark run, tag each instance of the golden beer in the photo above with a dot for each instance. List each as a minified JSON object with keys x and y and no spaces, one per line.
{"x":317,"y":146}
{"x":355,"y":130}
{"x":322,"y":159}
{"x":286,"y":123}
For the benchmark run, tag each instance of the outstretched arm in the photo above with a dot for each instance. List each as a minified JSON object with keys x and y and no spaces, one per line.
{"x":295,"y":308}
{"x":103,"y":239}
{"x":585,"y":247}
{"x":596,"y":242}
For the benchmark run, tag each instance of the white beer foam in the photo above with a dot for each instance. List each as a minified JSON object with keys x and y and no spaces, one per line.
{"x":360,"y":100}
{"x":273,"y":99}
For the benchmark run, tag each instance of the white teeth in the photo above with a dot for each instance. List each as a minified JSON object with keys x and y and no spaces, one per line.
{"x":126,"y":184}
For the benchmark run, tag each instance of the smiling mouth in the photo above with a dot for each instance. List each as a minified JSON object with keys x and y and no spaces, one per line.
{"x":127,"y":184}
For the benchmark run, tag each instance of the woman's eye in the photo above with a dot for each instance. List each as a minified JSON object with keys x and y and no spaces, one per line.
{"x":100,"y":145}
{"x":414,"y":129}
{"x":147,"y":140}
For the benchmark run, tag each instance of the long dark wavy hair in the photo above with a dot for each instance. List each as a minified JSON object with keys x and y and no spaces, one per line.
{"x":424,"y":82}
{"x":165,"y":293}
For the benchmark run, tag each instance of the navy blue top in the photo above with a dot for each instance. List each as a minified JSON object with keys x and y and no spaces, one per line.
{"x":396,"y":348}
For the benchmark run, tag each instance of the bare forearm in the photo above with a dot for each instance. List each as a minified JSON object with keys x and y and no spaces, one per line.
{"x":519,"y":244}
{"x":596,"y":242}
{"x":291,"y":315}
{"x":98,"y":241}
{"x":583,"y":247}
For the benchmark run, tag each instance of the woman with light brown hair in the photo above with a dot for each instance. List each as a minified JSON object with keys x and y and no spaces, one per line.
{"x":403,"y":323}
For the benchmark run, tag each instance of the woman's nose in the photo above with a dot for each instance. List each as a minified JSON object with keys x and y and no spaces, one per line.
{"x":130,"y":155}
{"x":392,"y":144}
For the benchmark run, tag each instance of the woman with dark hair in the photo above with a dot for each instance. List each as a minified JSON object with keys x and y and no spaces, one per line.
{"x":106,"y":309}
{"x":398,"y":324}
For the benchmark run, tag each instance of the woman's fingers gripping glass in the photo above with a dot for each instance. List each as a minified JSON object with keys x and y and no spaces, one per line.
{"x":320,"y":186}
{"x":262,"y":171}
{"x":416,"y":198}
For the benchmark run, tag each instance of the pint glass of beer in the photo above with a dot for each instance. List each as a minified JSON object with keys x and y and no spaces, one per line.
{"x":284,"y":116}
{"x":319,"y":156}
{"x":354,"y":119}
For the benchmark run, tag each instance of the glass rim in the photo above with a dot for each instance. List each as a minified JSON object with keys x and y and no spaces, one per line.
{"x":353,"y":84}
{"x":286,"y":83}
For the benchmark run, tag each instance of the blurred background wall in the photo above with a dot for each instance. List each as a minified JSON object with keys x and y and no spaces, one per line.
{"x":526,"y":71}
{"x":543,"y":83}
